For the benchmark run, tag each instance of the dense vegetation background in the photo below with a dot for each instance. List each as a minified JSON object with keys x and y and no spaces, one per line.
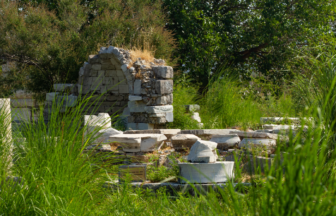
{"x":239,"y":59}
{"x":50,"y":39}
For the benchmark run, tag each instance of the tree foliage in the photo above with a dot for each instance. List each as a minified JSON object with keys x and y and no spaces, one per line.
{"x":50,"y":39}
{"x":247,"y":35}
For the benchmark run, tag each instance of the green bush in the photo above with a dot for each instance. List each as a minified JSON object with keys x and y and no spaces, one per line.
{"x":50,"y":41}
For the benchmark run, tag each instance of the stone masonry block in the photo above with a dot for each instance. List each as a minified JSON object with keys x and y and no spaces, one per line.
{"x":107,"y":81}
{"x":86,"y":69}
{"x":96,"y":67}
{"x":84,"y":89}
{"x":169,"y":116}
{"x":136,"y":106}
{"x":87,"y":81}
{"x":123,"y":89}
{"x":137,"y":87}
{"x":94,"y":59}
{"x":22,"y":102}
{"x":163,"y":100}
{"x":108,"y":67}
{"x":120,"y":73}
{"x":110,"y":73}
{"x":164,"y":86}
{"x":97,"y":81}
{"x":159,"y":109}
{"x":21,"y":114}
{"x":163,"y":72}
{"x":101,"y":73}
{"x":51,"y":96}
{"x":103,"y":89}
{"x":93,"y":73}
{"x":116,"y":63}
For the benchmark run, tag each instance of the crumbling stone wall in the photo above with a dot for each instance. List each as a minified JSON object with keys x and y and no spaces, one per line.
{"x":141,"y":90}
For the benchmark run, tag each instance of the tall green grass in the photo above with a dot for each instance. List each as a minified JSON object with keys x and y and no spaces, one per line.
{"x":223,"y":106}
{"x":227,"y":103}
{"x":56,"y":176}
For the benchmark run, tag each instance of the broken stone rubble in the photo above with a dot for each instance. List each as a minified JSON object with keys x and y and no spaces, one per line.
{"x":203,"y":152}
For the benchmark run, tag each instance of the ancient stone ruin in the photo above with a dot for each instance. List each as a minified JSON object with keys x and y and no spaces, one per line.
{"x":142,"y":91}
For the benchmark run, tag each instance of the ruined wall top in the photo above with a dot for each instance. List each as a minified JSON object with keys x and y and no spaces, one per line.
{"x":144,"y":87}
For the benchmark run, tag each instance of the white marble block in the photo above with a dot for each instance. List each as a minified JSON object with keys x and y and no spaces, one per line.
{"x":203,"y":152}
{"x":226,"y":141}
{"x":206,"y":172}
{"x":138,"y":142}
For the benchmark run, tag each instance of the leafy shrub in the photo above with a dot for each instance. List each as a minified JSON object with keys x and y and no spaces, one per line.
{"x":50,"y":42}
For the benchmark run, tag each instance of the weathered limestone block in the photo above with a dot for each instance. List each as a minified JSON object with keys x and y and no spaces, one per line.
{"x":206,"y":172}
{"x":163,"y":72}
{"x":67,"y":100}
{"x":167,"y":132}
{"x":104,"y":135}
{"x":96,"y":67}
{"x":103,"y":120}
{"x":208,"y":133}
{"x":136,"y":106}
{"x":138,"y":142}
{"x":250,"y":142}
{"x":94,"y":59}
{"x":226,"y":141}
{"x":134,"y":98}
{"x":123,"y":89}
{"x":203,"y":152}
{"x":21,"y":114}
{"x":159,"y":109}
{"x":169,"y":116}
{"x":108,"y":67}
{"x":257,"y":135}
{"x":184,"y":141}
{"x":63,"y":87}
{"x":18,"y":103}
{"x":51,"y":96}
{"x":165,"y":99}
{"x":164,"y":86}
{"x":137,"y":87}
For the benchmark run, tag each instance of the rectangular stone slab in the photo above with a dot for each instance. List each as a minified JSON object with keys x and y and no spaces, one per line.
{"x":183,"y":141}
{"x":207,"y":134}
{"x":167,"y":132}
{"x":138,"y":142}
{"x":208,"y":131}
{"x":206,"y":172}
{"x":248,"y":142}
{"x":256,"y":135}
